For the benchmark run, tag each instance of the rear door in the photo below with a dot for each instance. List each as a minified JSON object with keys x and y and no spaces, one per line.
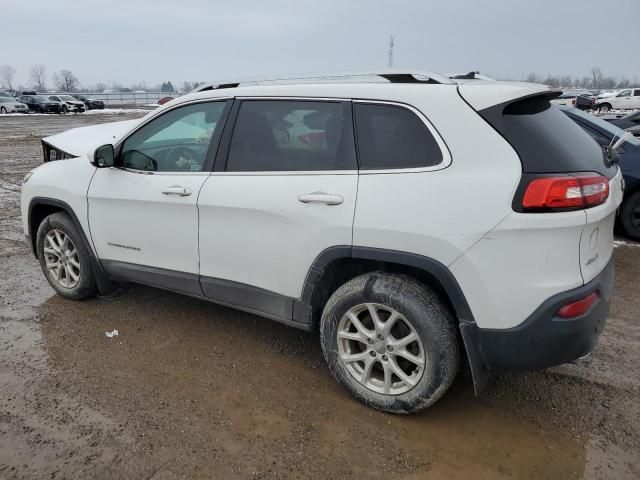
{"x":283,"y":190}
{"x":143,"y":216}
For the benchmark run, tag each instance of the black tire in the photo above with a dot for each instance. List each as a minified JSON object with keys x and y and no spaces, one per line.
{"x":86,"y":286}
{"x":604,"y":107}
{"x":3,"y":110}
{"x":65,"y":109}
{"x":427,"y":314}
{"x":630,"y":216}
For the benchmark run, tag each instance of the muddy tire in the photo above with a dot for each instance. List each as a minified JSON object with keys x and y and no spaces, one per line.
{"x":390,"y":341}
{"x":630,"y":216}
{"x":64,"y":258}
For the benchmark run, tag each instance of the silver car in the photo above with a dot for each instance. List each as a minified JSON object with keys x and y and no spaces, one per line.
{"x":10,"y":105}
{"x":69,"y":104}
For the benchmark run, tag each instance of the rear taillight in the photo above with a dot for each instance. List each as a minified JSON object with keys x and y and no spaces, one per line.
{"x":573,"y":102}
{"x":566,"y":192}
{"x":578,"y":307}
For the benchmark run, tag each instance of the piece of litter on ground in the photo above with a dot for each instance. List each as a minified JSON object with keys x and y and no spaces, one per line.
{"x":111,"y":334}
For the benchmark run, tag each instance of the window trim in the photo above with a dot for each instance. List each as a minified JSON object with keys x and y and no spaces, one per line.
{"x":444,"y":148}
{"x":208,"y":164}
{"x":221,"y":161}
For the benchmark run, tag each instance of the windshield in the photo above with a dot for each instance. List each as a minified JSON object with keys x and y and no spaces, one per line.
{"x":41,"y":98}
{"x":6,"y":100}
{"x":67,"y":98}
{"x":603,"y":124}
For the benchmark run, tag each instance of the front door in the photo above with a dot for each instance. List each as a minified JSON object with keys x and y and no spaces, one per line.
{"x":143,"y":216}
{"x":287,"y":193}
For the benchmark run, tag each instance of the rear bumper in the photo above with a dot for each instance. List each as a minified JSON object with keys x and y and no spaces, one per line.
{"x":543,"y":340}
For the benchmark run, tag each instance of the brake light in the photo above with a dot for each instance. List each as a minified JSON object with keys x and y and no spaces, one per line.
{"x":573,"y":102}
{"x":579,"y":307}
{"x":566,"y":192}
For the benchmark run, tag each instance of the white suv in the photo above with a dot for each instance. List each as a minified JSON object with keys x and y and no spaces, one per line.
{"x":626,"y":99}
{"x":410,"y":219}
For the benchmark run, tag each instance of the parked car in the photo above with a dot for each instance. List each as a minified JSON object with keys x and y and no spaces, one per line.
{"x":491,"y":243}
{"x":11,"y":105}
{"x":41,"y":104}
{"x":69,"y":104}
{"x":628,"y":121}
{"x":577,"y":100}
{"x":626,"y":99}
{"x":90,"y":103}
{"x":635,"y":131}
{"x":164,"y":100}
{"x":605,"y":134}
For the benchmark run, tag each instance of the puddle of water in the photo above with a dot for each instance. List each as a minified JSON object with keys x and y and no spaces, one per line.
{"x":196,"y":377}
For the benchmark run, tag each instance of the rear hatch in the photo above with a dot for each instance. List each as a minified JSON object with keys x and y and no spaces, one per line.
{"x":551,"y":148}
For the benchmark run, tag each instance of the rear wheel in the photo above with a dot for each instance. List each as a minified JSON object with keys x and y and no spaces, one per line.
{"x":630,"y":216}
{"x":390,"y":341}
{"x":605,"y":107}
{"x":64,"y":258}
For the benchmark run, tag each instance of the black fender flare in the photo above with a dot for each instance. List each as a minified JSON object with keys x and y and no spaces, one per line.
{"x":104,"y":283}
{"x":434,"y":268}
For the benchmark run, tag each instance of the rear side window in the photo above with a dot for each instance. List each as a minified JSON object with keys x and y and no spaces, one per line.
{"x":292,"y":135}
{"x":546,"y":140}
{"x":390,"y":136}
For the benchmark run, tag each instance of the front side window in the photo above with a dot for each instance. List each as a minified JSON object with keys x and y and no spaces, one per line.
{"x":390,"y":136}
{"x":624,"y":93}
{"x":177,"y":141}
{"x":292,"y":135}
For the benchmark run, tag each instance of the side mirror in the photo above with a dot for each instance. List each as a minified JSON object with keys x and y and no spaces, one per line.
{"x":104,"y":156}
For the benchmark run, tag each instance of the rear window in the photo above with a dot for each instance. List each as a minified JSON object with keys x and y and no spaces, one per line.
{"x":390,"y":136}
{"x":546,"y":140}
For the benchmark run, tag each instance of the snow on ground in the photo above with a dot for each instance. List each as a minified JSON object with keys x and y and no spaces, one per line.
{"x":105,"y":111}
{"x":624,"y":243}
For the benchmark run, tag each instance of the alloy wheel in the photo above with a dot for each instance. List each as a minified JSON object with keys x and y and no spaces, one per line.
{"x":380,"y":349}
{"x":61,"y":258}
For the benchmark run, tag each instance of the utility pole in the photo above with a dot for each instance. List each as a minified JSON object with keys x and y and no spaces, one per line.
{"x":391,"y":41}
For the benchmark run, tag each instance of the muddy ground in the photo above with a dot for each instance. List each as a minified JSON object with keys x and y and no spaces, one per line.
{"x":194,"y":390}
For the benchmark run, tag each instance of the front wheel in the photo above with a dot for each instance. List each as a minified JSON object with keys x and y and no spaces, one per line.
{"x":630,"y":216}
{"x":65,"y":109}
{"x":64,"y":258}
{"x":3,"y":110}
{"x":604,"y":108}
{"x":390,"y":341}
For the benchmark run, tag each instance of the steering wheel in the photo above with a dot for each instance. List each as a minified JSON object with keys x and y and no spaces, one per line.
{"x":183,"y":158}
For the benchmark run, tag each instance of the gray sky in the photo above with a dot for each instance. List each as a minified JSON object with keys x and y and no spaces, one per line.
{"x":135,"y":40}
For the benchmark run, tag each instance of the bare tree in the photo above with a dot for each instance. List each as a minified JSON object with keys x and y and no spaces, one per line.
{"x":6,"y":73}
{"x":596,"y":77}
{"x":65,"y":81}
{"x":38,"y":77}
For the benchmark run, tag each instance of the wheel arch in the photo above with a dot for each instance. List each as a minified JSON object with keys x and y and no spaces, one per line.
{"x":39,"y":209}
{"x":336,"y":265}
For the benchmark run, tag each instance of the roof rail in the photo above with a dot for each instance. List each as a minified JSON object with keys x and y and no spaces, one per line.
{"x":390,"y":75}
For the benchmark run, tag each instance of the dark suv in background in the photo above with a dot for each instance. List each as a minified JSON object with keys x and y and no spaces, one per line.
{"x":41,"y":104}
{"x":91,"y":103}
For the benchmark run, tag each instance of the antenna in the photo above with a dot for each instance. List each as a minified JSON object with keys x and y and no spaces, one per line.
{"x":392,"y":38}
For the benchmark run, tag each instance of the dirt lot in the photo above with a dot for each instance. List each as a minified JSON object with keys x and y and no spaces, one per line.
{"x":194,"y":390}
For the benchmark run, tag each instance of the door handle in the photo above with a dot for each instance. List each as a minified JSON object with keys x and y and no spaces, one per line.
{"x":321,"y":197}
{"x":177,"y":190}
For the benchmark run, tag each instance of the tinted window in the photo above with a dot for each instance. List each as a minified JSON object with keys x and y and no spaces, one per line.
{"x":545,"y":139}
{"x":291,"y":135}
{"x":390,"y":136}
{"x":636,"y":93}
{"x":176,"y":141}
